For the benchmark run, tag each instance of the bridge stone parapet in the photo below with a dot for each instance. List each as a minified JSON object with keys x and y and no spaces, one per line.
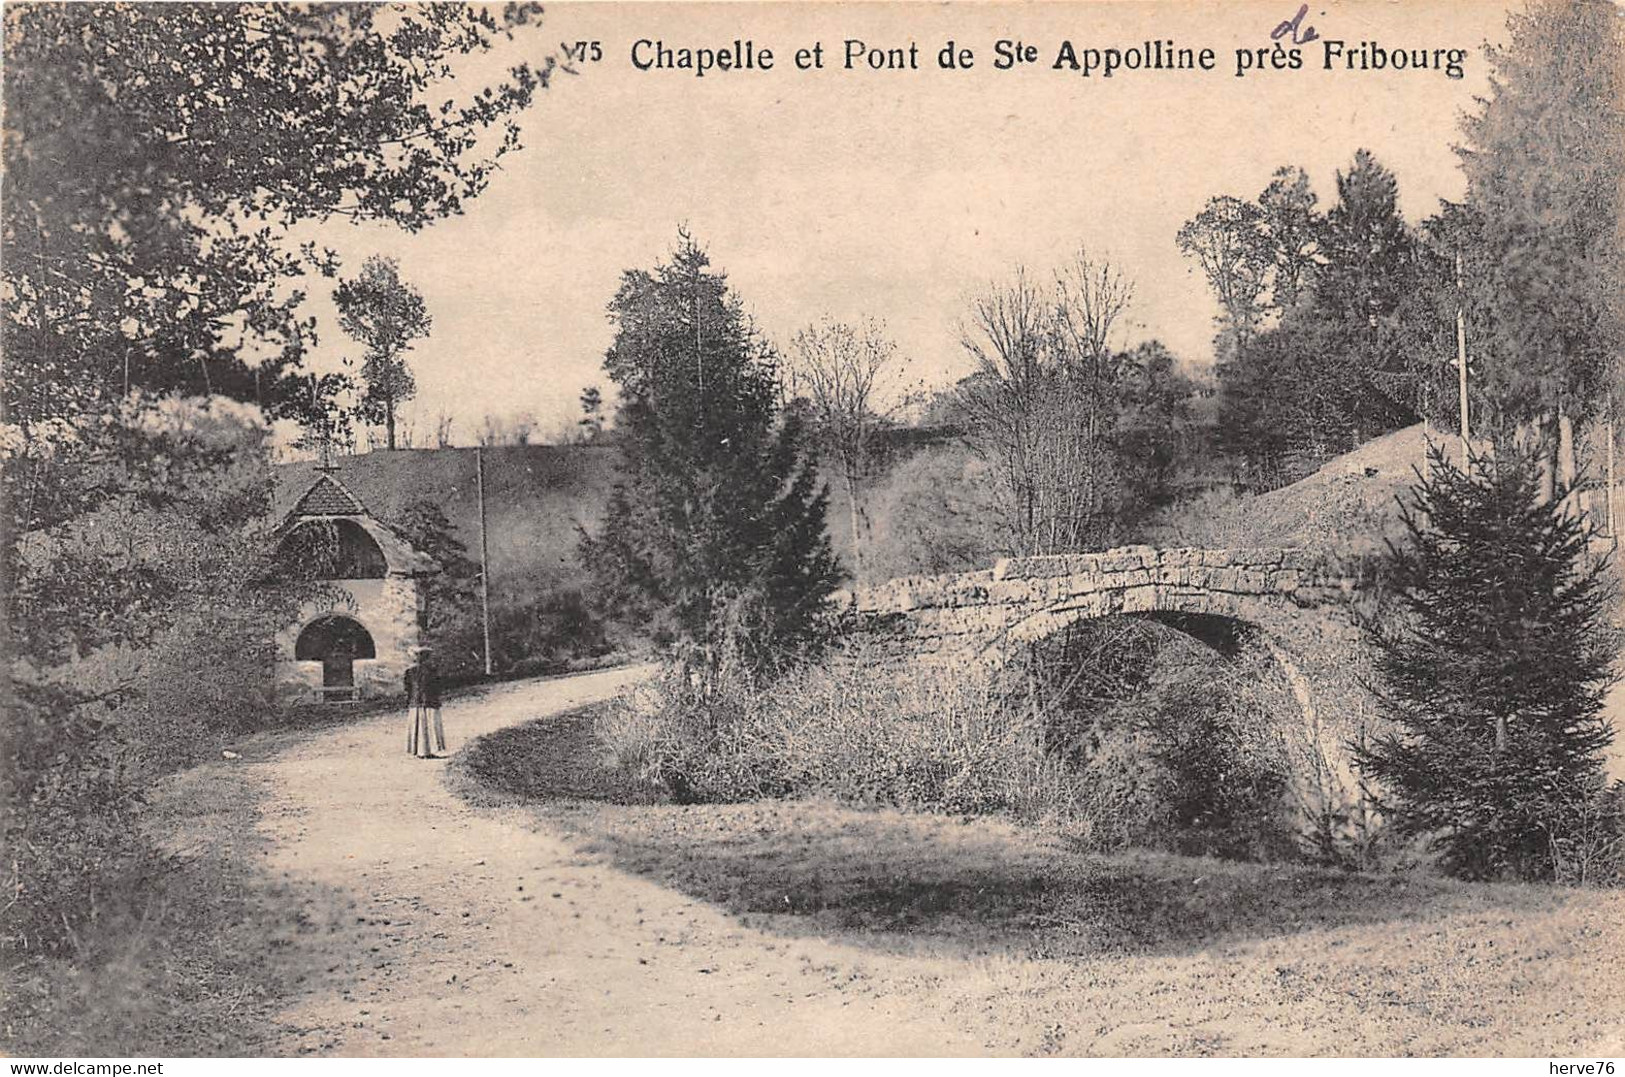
{"x":1027,"y":598}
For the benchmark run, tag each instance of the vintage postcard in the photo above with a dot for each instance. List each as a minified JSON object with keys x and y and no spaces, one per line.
{"x":808,"y":530}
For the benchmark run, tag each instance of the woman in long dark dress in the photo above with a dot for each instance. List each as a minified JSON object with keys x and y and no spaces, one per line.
{"x":426,"y":734}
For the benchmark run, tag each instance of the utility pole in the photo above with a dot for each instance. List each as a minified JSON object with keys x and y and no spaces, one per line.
{"x":1613,"y":480}
{"x":1461,"y":360}
{"x":485,"y":558}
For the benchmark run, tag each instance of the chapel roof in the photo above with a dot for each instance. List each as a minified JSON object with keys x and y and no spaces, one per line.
{"x":328,"y":497}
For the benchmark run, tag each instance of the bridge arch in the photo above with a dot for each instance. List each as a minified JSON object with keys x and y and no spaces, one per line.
{"x":1269,"y":594}
{"x":1226,"y":634}
{"x":1029,"y":598}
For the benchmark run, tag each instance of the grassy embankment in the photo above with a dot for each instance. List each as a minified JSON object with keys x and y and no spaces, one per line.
{"x":1200,"y":955}
{"x":199,"y":956}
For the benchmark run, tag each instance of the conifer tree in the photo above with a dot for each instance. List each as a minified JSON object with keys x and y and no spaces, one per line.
{"x":715,"y":532}
{"x":1367,"y":247}
{"x":1546,"y":259}
{"x":1493,"y":671}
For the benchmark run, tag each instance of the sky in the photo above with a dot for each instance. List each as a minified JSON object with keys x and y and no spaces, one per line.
{"x":892,"y":194}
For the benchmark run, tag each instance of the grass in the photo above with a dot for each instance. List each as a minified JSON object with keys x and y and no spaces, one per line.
{"x":199,"y":957}
{"x":1210,"y":956}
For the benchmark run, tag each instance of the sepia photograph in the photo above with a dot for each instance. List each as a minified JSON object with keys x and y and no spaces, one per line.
{"x":842,"y":529}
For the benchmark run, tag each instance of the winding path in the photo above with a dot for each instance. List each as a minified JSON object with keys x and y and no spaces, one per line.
{"x":463,"y":931}
{"x":407,"y":921}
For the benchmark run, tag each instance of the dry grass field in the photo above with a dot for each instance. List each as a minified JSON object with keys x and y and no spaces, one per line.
{"x":1119,"y":955}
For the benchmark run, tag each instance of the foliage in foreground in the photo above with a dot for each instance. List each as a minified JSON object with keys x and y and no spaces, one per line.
{"x":1495,"y":673}
{"x":157,"y":158}
{"x":175,"y":961}
{"x":141,"y":633}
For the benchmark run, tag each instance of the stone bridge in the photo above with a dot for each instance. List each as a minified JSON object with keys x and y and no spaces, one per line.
{"x":1291,"y":601}
{"x":1025,"y":599}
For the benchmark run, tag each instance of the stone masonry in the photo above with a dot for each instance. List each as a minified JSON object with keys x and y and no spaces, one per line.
{"x":1295,"y":601}
{"x":1027,"y":598}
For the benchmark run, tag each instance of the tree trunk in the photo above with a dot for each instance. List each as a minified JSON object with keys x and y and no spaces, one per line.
{"x":853,"y":515}
{"x":389,"y":423}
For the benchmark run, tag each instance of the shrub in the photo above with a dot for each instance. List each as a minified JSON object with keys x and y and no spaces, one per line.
{"x":1589,"y":850}
{"x":1195,"y":769}
{"x":1493,"y":669}
{"x":1213,"y":518}
{"x":1223,"y":779}
{"x":71,"y":845}
{"x":1171,"y":746}
{"x":142,"y":628}
{"x":934,"y":512}
{"x":1120,"y":790}
{"x":929,"y":739}
{"x":547,"y":632}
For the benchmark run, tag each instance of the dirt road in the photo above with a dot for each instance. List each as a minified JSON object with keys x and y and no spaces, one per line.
{"x":393,"y":917}
{"x":472,"y":933}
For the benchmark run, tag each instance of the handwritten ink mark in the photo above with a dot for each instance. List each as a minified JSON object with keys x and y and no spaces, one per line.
{"x":1301,"y":35}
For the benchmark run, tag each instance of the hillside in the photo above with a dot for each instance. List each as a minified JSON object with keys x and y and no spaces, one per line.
{"x":1347,"y":507}
{"x":536,"y":496}
{"x":1352,"y":503}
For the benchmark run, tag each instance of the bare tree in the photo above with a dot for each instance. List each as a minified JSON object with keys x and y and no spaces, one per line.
{"x":835,"y":366}
{"x":1009,"y":338}
{"x":406,"y":432}
{"x":1043,"y":400}
{"x":442,"y":430}
{"x":495,"y":430}
{"x":1090,"y":296}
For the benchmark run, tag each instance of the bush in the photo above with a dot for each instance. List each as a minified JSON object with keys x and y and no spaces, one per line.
{"x":1194,"y":768}
{"x":1590,"y":849}
{"x":71,"y":846}
{"x":935,"y":512}
{"x":1213,"y":518}
{"x":1120,"y":790}
{"x":936,"y":740}
{"x":550,"y":632}
{"x":1223,"y":773}
{"x":142,"y":634}
{"x":1172,"y":747}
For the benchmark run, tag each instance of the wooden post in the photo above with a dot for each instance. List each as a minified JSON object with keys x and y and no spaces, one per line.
{"x":1461,"y":362}
{"x":1568,"y":467}
{"x":1613,"y":481}
{"x":485,"y":559}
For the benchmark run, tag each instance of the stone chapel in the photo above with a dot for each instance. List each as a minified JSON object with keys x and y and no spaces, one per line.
{"x":356,"y":635}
